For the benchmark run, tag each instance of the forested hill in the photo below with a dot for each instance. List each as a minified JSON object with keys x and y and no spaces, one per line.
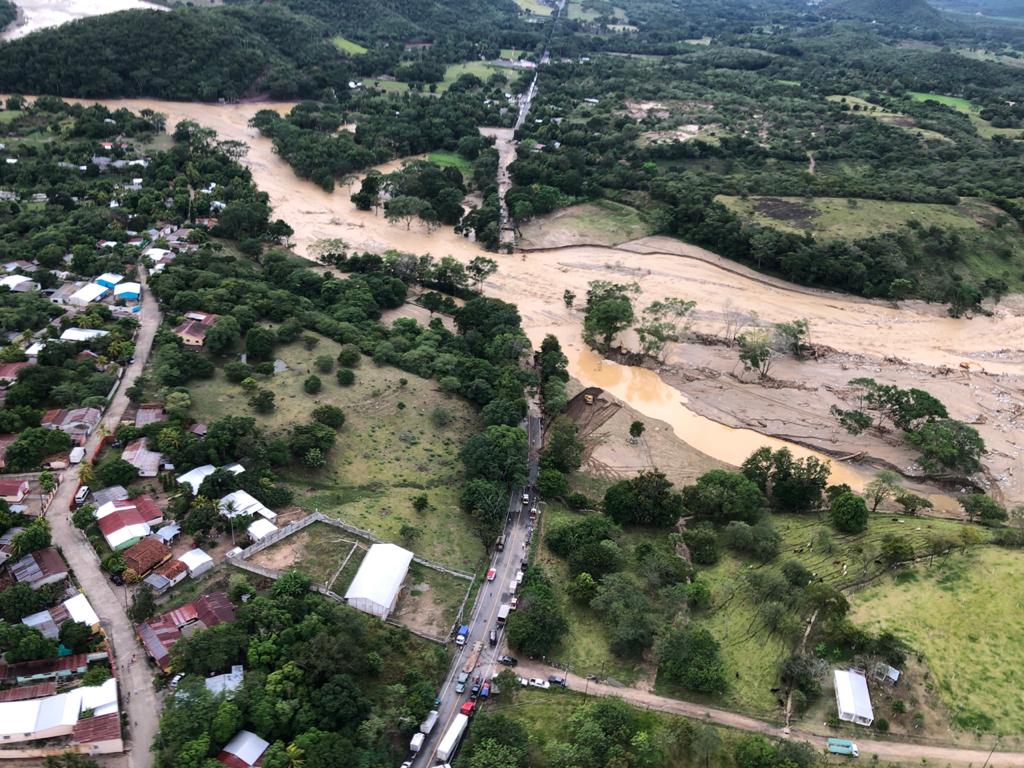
{"x":888,"y":11}
{"x":186,"y":54}
{"x":8,"y":13}
{"x":373,"y":21}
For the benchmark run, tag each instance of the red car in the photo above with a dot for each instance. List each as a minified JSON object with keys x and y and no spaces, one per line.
{"x":468,"y":707}
{"x":491,"y":574}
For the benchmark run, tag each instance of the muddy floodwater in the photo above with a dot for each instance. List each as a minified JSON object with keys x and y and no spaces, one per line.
{"x":39,"y":14}
{"x":913,"y":332}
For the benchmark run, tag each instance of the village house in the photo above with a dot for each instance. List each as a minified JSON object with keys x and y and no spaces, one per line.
{"x":245,"y":750}
{"x":13,"y":491}
{"x":87,"y":294}
{"x":19,"y":283}
{"x":62,"y":295}
{"x":193,"y":330}
{"x":75,"y":609}
{"x":166,"y":575}
{"x":60,"y":717}
{"x":39,"y":568}
{"x":124,"y":523}
{"x":150,"y":413}
{"x":9,"y":372}
{"x":159,"y":634}
{"x":146,"y":462}
{"x":77,"y":423}
{"x":146,"y":555}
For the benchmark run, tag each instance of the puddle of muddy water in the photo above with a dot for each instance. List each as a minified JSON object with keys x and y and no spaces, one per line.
{"x":645,"y":391}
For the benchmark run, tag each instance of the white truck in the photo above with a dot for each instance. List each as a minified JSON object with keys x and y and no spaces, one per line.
{"x":451,"y":739}
{"x":503,"y":614}
{"x":417,"y":742}
{"x":428,"y":725}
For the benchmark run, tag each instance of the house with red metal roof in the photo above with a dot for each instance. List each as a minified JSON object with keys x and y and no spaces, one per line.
{"x":159,"y":634}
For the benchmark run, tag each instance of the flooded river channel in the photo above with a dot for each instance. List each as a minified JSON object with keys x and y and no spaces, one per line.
{"x":913,"y":333}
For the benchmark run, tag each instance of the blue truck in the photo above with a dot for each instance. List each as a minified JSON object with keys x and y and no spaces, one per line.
{"x":843,"y":747}
{"x":460,"y":638}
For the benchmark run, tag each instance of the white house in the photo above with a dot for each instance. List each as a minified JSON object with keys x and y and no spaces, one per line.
{"x":82,"y":334}
{"x":87,"y":294}
{"x":261,"y":528}
{"x":194,"y":477}
{"x":245,"y":750}
{"x":128,"y":291}
{"x":243,"y":503}
{"x":108,"y":279}
{"x":19,"y":283}
{"x":197,"y":562}
{"x":379,"y":580}
{"x":852,"y":697}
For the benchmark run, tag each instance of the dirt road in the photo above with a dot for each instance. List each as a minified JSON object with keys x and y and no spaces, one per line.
{"x":885,"y":750}
{"x":134,"y":678}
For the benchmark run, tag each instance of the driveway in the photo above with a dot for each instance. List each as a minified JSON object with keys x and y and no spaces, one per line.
{"x":135,"y":679}
{"x":886,"y":750}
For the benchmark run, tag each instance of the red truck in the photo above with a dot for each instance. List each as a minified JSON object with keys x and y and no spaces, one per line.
{"x":467,"y":708}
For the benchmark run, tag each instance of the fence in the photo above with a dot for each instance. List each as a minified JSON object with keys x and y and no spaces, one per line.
{"x":240,"y":560}
{"x":319,"y":517}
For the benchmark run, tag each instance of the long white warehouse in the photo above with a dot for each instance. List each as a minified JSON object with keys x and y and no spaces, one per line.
{"x":375,"y":588}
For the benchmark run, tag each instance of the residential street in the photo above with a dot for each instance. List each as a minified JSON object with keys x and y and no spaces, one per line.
{"x":886,"y":750}
{"x":135,"y":680}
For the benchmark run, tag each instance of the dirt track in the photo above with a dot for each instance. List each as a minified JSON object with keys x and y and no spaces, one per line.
{"x":885,"y":750}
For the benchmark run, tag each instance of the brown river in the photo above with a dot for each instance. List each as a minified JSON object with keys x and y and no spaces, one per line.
{"x":913,"y":332}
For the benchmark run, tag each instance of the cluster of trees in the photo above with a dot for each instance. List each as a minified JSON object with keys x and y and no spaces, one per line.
{"x":223,"y":53}
{"x":418,"y":190}
{"x":946,"y":445}
{"x":609,"y":311}
{"x":310,"y":140}
{"x":321,"y":680}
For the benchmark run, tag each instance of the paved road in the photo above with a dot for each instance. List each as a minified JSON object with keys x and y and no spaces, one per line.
{"x":489,"y":599}
{"x":886,"y":750}
{"x":135,"y":680}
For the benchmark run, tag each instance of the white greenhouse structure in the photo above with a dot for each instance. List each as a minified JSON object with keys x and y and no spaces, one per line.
{"x":379,"y":580}
{"x":852,"y":697}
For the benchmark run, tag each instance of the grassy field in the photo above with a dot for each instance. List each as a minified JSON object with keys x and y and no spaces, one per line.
{"x":534,"y":7}
{"x":964,"y":615}
{"x":845,"y":218}
{"x":578,"y":12}
{"x":392,"y":86}
{"x":585,"y":647}
{"x":603,"y":222}
{"x":9,"y":115}
{"x":387,"y":453}
{"x":431,"y":600}
{"x":543,"y":714}
{"x":453,"y":160}
{"x":481,"y":69}
{"x":348,"y":46}
{"x":750,"y":652}
{"x":985,"y":129}
{"x":841,"y":218}
{"x":895,"y":119}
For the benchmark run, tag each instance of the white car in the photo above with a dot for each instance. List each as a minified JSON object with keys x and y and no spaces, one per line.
{"x":536,"y":682}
